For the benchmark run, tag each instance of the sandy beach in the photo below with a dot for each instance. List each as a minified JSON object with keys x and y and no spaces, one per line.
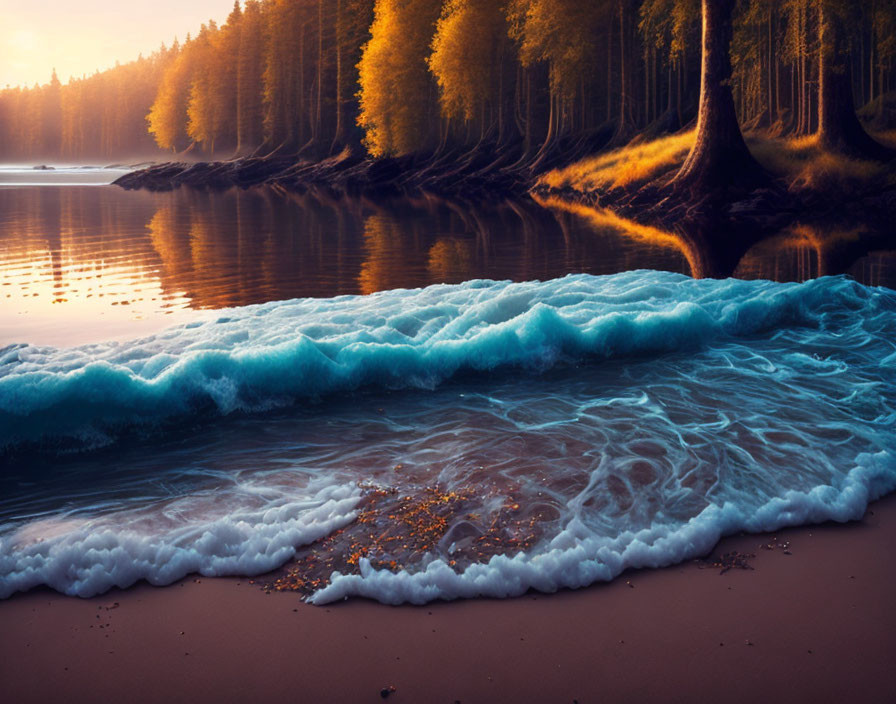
{"x":817,"y":624}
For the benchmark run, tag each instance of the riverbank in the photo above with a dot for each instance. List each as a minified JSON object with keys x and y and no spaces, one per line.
{"x":486,"y":170}
{"x":814,"y":620}
{"x":804,"y":183}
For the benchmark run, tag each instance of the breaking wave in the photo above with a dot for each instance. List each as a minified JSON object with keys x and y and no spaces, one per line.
{"x":279,"y":354}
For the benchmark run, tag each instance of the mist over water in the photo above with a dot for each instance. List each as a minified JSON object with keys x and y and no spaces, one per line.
{"x":20,"y":176}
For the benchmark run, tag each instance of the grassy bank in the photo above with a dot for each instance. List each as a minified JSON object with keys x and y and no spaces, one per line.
{"x":798,"y":164}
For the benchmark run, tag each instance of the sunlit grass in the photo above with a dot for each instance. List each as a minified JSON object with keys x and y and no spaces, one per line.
{"x":798,"y":161}
{"x":887,"y":137}
{"x":803,"y":164}
{"x":629,"y":167}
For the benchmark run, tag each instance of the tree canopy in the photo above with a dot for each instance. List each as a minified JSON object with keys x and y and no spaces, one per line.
{"x":395,"y":77}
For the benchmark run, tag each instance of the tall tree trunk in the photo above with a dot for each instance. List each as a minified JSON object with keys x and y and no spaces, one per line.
{"x":316,"y":132}
{"x":529,"y":111}
{"x":777,"y":83}
{"x":609,"y":71}
{"x":793,"y":94}
{"x":297,"y":132}
{"x":670,"y":93}
{"x":839,"y":129}
{"x":871,"y":57}
{"x":647,"y":86}
{"x":241,"y":97}
{"x":625,"y":97}
{"x":772,"y":116}
{"x":719,"y":157}
{"x":803,"y":81}
{"x":680,"y":69}
{"x":341,"y":126}
{"x":501,"y":97}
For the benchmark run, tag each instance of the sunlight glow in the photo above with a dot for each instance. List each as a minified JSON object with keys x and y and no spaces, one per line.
{"x":80,"y":38}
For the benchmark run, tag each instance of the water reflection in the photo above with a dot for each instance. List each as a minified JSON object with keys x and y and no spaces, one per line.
{"x":809,"y":251}
{"x":802,"y":251}
{"x":82,"y":264}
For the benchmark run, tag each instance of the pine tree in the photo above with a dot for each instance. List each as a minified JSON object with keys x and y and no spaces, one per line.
{"x":398,"y":107}
{"x":563,"y":36}
{"x":168,"y":116}
{"x":469,"y":62}
{"x":202,"y":119}
{"x":353,"y":19}
{"x":284,"y":87}
{"x":668,"y":26}
{"x":50,"y":137}
{"x":224,"y":75}
{"x":839,"y":128}
{"x":249,"y":80}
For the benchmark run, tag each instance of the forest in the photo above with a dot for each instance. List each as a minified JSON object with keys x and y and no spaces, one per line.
{"x":534,"y":82}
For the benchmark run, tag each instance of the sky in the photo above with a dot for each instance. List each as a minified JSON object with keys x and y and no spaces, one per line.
{"x":80,"y":36}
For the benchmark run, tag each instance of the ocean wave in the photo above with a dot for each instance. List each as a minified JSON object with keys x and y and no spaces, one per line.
{"x":274,"y":355}
{"x":88,"y":557}
{"x":661,"y":414}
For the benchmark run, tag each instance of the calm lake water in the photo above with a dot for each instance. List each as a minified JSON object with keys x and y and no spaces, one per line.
{"x":433,"y":399}
{"x":88,"y":263}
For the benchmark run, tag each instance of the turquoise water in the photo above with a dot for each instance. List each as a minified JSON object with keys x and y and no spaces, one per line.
{"x":630,"y":420}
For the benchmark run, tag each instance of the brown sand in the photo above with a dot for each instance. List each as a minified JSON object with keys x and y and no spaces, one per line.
{"x":816,"y":625}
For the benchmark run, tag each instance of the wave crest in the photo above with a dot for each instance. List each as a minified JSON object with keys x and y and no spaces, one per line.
{"x":273,"y":355}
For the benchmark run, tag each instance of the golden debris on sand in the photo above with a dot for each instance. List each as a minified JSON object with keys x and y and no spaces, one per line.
{"x":405,"y":530}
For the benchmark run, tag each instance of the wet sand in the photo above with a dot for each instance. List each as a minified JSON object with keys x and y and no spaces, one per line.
{"x":818,"y":625}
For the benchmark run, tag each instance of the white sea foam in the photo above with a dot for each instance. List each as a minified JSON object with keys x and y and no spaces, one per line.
{"x":88,"y":557}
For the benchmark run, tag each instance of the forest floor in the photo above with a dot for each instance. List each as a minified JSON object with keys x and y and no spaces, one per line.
{"x":805,"y":182}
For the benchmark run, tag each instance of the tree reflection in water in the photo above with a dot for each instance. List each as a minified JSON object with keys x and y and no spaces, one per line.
{"x":86,"y":263}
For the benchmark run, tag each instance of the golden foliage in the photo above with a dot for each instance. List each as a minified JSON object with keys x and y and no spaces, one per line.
{"x":803,"y":164}
{"x":465,"y":54}
{"x":395,"y":83}
{"x":562,"y":33}
{"x":168,"y":116}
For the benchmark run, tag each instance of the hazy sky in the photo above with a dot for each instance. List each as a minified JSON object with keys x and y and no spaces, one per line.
{"x":80,"y":36}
